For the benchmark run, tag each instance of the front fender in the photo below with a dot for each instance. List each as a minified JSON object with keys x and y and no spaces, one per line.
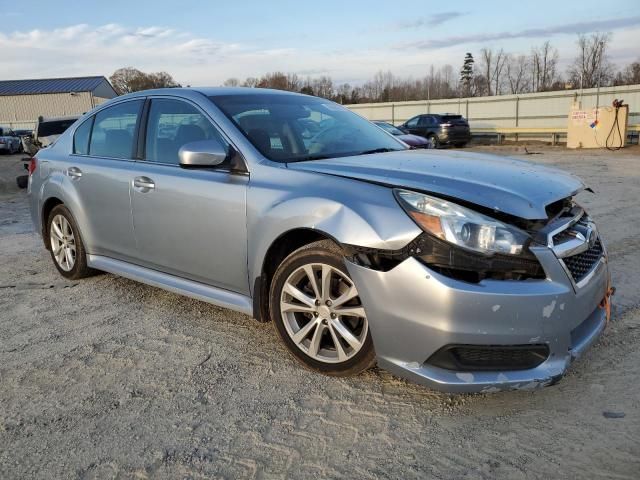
{"x":349,"y":211}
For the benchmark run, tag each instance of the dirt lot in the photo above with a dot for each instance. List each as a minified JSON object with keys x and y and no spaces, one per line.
{"x":107,"y":378}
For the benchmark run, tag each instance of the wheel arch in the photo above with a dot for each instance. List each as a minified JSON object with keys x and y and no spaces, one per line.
{"x":58,"y":189}
{"x":48,"y":205}
{"x":285,"y":244}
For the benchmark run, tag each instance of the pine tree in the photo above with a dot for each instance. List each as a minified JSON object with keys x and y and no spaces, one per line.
{"x":466,"y":75}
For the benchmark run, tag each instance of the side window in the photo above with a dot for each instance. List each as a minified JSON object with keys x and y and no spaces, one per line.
{"x":81,"y":137}
{"x":413,"y":122}
{"x":425,"y":121}
{"x":114,"y":129}
{"x":171,"y":124}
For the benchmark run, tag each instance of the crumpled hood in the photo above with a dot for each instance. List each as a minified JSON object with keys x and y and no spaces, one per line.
{"x":502,"y":184}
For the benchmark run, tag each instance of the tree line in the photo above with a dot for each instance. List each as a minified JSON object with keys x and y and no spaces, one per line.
{"x":492,"y":72}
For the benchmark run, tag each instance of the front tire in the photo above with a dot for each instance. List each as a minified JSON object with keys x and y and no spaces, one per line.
{"x":65,"y":244}
{"x":318,"y":314}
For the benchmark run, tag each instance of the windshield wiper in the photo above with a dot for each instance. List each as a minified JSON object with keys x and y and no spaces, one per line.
{"x":378,"y":150}
{"x":309,"y":158}
{"x":336,"y":155}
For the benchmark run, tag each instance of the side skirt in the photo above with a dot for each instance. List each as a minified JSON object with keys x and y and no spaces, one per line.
{"x":181,"y":286}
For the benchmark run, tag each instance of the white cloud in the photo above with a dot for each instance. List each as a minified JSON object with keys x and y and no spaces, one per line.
{"x":99,"y":50}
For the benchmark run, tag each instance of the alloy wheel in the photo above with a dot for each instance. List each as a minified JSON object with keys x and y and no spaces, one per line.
{"x":63,"y":242}
{"x":322,"y":313}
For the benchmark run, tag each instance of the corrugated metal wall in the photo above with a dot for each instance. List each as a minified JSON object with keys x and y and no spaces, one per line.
{"x":22,"y":111}
{"x":530,"y":110}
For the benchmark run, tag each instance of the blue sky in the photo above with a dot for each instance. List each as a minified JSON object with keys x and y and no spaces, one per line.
{"x":205,"y":42}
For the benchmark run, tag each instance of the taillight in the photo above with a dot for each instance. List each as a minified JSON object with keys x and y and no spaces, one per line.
{"x":33,"y":163}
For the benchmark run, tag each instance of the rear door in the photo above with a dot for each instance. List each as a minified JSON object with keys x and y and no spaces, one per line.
{"x":188,"y":222}
{"x":100,"y":168}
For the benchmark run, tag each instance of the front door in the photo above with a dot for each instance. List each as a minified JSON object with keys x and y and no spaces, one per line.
{"x":188,"y":222}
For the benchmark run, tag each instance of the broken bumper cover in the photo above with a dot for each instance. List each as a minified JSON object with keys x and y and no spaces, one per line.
{"x":414,"y":311}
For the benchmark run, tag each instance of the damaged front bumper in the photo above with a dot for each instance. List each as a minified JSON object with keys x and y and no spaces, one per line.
{"x":414,"y":312}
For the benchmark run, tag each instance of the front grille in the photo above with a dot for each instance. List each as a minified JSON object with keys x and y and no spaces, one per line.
{"x":491,"y":357}
{"x":581,"y":264}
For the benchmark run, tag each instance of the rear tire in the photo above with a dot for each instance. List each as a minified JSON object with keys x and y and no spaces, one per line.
{"x":434,"y":140}
{"x":65,"y":244}
{"x":317,"y":312}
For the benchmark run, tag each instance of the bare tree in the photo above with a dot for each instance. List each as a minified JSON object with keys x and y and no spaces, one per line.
{"x":498,"y":66}
{"x":486,"y":59}
{"x":544,"y":62}
{"x":591,"y":66}
{"x":323,"y":87}
{"x":129,"y":79}
{"x":629,"y":75}
{"x":343,"y":93}
{"x":251,"y":82}
{"x":161,"y":80}
{"x":492,"y":65}
{"x":276,"y":80}
{"x":517,"y":69}
{"x":448,"y":78}
{"x":231,"y":82}
{"x":124,"y":79}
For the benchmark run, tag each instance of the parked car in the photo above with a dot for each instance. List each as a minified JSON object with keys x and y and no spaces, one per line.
{"x":46,"y":132}
{"x":9,"y":141}
{"x":414,"y":141}
{"x":442,"y":129}
{"x":452,"y":269}
{"x":49,"y":129}
{"x":24,"y":133}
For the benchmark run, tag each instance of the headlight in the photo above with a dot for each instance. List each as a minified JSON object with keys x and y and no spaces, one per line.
{"x":461,"y":226}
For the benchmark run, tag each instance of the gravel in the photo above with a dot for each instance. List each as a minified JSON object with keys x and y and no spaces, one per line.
{"x":108,"y":378}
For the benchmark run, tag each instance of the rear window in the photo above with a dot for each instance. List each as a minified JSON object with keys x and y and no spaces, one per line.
{"x":451,"y":118}
{"x":54,"y":127}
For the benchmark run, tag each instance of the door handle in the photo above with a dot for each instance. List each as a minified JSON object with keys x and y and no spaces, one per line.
{"x":74,"y":172}
{"x":143,"y":183}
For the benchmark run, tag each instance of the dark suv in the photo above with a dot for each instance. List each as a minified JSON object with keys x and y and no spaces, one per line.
{"x":445,"y":128}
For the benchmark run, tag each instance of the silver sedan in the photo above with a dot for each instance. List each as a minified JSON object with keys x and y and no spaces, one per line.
{"x":460,"y":271}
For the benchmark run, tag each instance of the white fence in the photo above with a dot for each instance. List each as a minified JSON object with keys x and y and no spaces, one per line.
{"x":527,"y":113}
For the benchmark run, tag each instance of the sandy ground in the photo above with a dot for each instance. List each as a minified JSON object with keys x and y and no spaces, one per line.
{"x":107,"y":378}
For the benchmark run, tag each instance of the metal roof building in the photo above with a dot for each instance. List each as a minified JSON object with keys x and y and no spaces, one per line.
{"x":23,"y":101}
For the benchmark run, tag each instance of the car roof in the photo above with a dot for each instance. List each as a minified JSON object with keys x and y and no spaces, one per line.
{"x":212,"y":91}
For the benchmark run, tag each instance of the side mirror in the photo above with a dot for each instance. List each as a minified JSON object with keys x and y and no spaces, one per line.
{"x":202,"y":154}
